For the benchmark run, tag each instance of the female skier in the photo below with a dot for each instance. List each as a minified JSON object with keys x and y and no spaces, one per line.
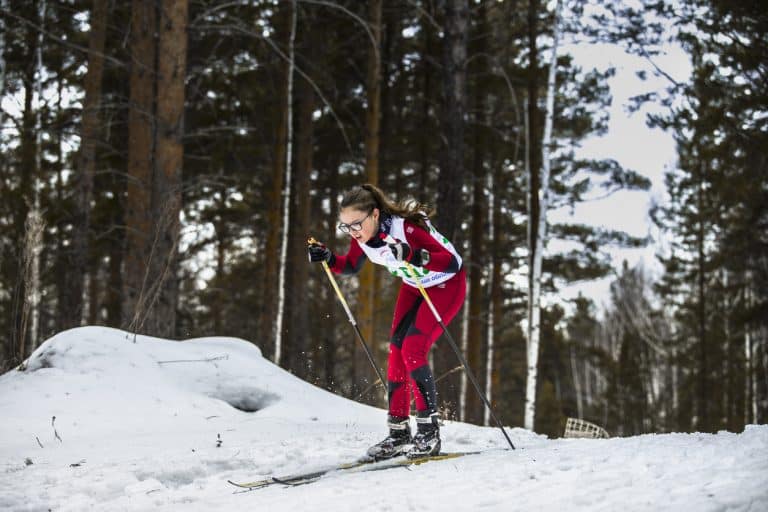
{"x":389,"y":234}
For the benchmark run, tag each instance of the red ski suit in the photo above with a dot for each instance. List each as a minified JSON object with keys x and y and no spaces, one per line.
{"x":414,"y":327}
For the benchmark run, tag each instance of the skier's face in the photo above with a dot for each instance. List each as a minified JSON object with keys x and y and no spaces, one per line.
{"x":359,"y":224}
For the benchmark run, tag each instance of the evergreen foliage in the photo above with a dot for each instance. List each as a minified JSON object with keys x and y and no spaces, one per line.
{"x":461,"y":83}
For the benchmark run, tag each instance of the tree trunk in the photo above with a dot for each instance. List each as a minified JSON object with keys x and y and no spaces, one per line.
{"x":22,"y":199}
{"x":496,"y":342}
{"x":704,"y":423}
{"x":534,"y":323}
{"x":221,"y":230}
{"x":3,"y":29}
{"x":750,"y":398}
{"x":299,"y":347}
{"x":761,"y":377}
{"x":169,"y":160}
{"x":425,"y":155}
{"x":533,"y":164}
{"x":368,"y":295}
{"x":452,"y":174}
{"x":71,"y":308}
{"x":93,"y":295}
{"x":286,"y":200}
{"x":736,"y":366}
{"x":576,"y":382}
{"x":388,"y":146}
{"x":473,"y":410}
{"x":478,"y":313}
{"x":274,"y":203}
{"x":330,"y":307}
{"x":61,"y":220}
{"x":115,"y":250}
{"x":141,"y":146}
{"x":373,"y":95}
{"x":35,"y":219}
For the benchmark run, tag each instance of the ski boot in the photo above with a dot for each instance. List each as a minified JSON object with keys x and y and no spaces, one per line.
{"x":396,"y":442}
{"x":426,"y":442}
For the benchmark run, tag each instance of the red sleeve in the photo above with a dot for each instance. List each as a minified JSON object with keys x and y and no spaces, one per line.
{"x":440,"y":258}
{"x":350,"y":263}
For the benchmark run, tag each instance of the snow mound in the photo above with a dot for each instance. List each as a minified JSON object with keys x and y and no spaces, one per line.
{"x":206,"y":373}
{"x":100,"y":420}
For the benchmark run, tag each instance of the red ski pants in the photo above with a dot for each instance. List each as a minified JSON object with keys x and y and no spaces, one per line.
{"x":414,"y":330}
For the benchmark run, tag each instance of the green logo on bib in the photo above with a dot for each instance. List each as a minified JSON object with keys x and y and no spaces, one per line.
{"x":405,"y":272}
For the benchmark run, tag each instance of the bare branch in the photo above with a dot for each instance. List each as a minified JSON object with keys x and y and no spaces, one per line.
{"x":353,"y":15}
{"x":660,"y":71}
{"x":148,"y":296}
{"x":207,"y":360}
{"x":429,"y":17}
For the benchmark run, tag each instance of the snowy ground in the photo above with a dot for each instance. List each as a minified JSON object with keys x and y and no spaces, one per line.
{"x":152,"y":425}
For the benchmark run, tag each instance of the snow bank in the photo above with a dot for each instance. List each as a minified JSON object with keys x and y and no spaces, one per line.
{"x":100,"y":383}
{"x":153,"y":424}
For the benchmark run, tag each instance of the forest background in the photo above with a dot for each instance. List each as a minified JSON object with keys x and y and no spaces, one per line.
{"x":163,"y":163}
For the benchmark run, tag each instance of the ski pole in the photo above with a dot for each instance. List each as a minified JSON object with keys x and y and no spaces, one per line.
{"x":455,"y":348}
{"x":350,"y":316}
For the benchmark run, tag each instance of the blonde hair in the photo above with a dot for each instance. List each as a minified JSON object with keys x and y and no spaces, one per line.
{"x":367,"y":197}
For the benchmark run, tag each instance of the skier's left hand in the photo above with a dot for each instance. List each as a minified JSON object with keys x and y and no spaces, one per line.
{"x":401,"y":250}
{"x":404,"y":252}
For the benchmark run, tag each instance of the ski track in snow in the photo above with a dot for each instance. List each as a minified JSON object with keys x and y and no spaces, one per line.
{"x":139,"y":433}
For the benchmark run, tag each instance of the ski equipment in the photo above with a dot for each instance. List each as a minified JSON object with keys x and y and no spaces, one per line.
{"x":362,"y":465}
{"x":312,"y":241}
{"x":396,"y":443}
{"x":426,"y":442}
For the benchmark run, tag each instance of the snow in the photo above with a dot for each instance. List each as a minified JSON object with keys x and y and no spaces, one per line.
{"x":157,"y":425}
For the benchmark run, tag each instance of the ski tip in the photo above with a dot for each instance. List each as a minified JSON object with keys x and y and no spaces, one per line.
{"x":249,"y":485}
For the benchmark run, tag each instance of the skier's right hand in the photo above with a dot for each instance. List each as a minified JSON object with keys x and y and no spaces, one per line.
{"x":318,"y":252}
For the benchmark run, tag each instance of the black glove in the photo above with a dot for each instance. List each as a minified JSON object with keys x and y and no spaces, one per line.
{"x":402,"y":252}
{"x":318,"y":252}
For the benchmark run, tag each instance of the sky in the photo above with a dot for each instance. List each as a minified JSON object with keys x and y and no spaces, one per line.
{"x":649,"y":151}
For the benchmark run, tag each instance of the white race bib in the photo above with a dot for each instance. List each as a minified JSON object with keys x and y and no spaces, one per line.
{"x":383,"y":256}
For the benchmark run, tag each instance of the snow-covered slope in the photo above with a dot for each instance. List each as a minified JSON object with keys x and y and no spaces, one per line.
{"x":161,"y":425}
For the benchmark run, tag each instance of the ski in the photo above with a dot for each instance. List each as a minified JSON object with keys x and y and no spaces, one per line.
{"x":351,"y":467}
{"x":300,"y":478}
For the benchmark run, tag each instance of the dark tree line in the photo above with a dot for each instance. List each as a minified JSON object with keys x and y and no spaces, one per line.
{"x":153,"y":138}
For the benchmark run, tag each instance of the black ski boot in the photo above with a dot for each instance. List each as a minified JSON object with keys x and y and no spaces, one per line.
{"x":396,"y":442}
{"x":426,"y":442}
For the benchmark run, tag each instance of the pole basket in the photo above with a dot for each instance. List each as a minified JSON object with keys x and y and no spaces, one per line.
{"x":577,"y":428}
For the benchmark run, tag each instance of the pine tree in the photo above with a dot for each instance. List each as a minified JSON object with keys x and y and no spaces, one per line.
{"x":72,"y":298}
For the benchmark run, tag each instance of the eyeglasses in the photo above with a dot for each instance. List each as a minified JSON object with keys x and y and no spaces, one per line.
{"x":353,"y":226}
